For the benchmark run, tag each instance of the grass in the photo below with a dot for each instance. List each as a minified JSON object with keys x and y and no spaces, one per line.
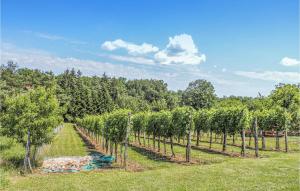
{"x":66,"y":143}
{"x":274,"y":171}
{"x":11,"y":158}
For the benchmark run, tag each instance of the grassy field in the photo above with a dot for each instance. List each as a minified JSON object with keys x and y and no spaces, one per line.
{"x":66,"y":143}
{"x":273,"y":171}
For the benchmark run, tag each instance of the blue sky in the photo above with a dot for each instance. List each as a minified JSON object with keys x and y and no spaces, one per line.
{"x":243,"y":47}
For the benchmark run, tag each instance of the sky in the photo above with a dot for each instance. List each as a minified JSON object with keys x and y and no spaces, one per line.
{"x":243,"y":47}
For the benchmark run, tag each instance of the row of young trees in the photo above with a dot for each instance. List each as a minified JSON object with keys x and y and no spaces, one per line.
{"x":110,"y":130}
{"x":276,"y":119}
{"x":164,"y":126}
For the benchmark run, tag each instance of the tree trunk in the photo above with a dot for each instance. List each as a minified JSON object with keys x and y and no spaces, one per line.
{"x":116,"y":152}
{"x":126,"y":142}
{"x":165,"y":149}
{"x":171,"y":142}
{"x":286,"y":140}
{"x":277,"y":140}
{"x":250,"y":137}
{"x":134,"y":136}
{"x":198,"y":137}
{"x":178,"y":140}
{"x":148,"y":136}
{"x":153,"y":141}
{"x":243,"y":146}
{"x":34,"y":156}
{"x":256,"y":137}
{"x":139,"y":137}
{"x":183,"y":139}
{"x":121,"y":153}
{"x":103,"y":144}
{"x":263,"y":141}
{"x":111,"y":148}
{"x":233,"y":139}
{"x":158,"y":144}
{"x":106,"y":146}
{"x":224,"y":140}
{"x":27,"y":154}
{"x":144,"y":138}
{"x":188,"y":147}
{"x":210,"y":139}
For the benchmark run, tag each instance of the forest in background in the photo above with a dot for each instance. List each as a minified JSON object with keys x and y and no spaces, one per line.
{"x":80,"y":95}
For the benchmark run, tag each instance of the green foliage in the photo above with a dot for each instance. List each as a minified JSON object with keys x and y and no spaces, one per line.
{"x":201,"y":120}
{"x":229,"y":119}
{"x":287,"y":96}
{"x":37,"y":111}
{"x":273,"y":119}
{"x":139,"y":122}
{"x":199,"y":94}
{"x":159,"y":124}
{"x":164,"y":119}
{"x":116,"y":124}
{"x":181,"y":119}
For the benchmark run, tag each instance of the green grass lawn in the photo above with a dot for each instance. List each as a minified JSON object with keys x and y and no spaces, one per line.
{"x":274,"y":171}
{"x":66,"y":143}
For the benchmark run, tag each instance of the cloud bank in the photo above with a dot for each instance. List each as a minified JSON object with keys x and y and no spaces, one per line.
{"x":180,"y":49}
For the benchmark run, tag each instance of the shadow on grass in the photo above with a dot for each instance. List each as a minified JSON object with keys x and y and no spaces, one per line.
{"x":91,"y":149}
{"x":206,"y":150}
{"x":150,"y":154}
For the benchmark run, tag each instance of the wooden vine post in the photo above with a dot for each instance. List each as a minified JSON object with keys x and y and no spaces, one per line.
{"x":126,"y":141}
{"x":277,"y":140}
{"x":263,"y":141}
{"x":256,"y":137}
{"x":286,"y":137}
{"x":243,"y":143}
{"x":210,"y":138}
{"x":188,"y":145}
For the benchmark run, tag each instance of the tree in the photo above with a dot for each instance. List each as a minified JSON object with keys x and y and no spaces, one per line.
{"x":139,"y":123}
{"x":201,"y":123}
{"x":116,"y":127}
{"x":164,"y":119}
{"x":30,"y":119}
{"x":287,"y":96}
{"x":182,"y":120}
{"x":199,"y":94}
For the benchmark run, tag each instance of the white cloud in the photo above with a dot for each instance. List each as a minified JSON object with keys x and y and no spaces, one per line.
{"x":276,"y":76}
{"x":224,"y":69}
{"x":132,"y":59}
{"x":45,"y":61}
{"x":286,"y":61}
{"x":180,"y":50}
{"x":132,"y":48}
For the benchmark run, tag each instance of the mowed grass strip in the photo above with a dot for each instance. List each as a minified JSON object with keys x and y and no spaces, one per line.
{"x":66,"y":143}
{"x":274,"y":173}
{"x":278,"y":171}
